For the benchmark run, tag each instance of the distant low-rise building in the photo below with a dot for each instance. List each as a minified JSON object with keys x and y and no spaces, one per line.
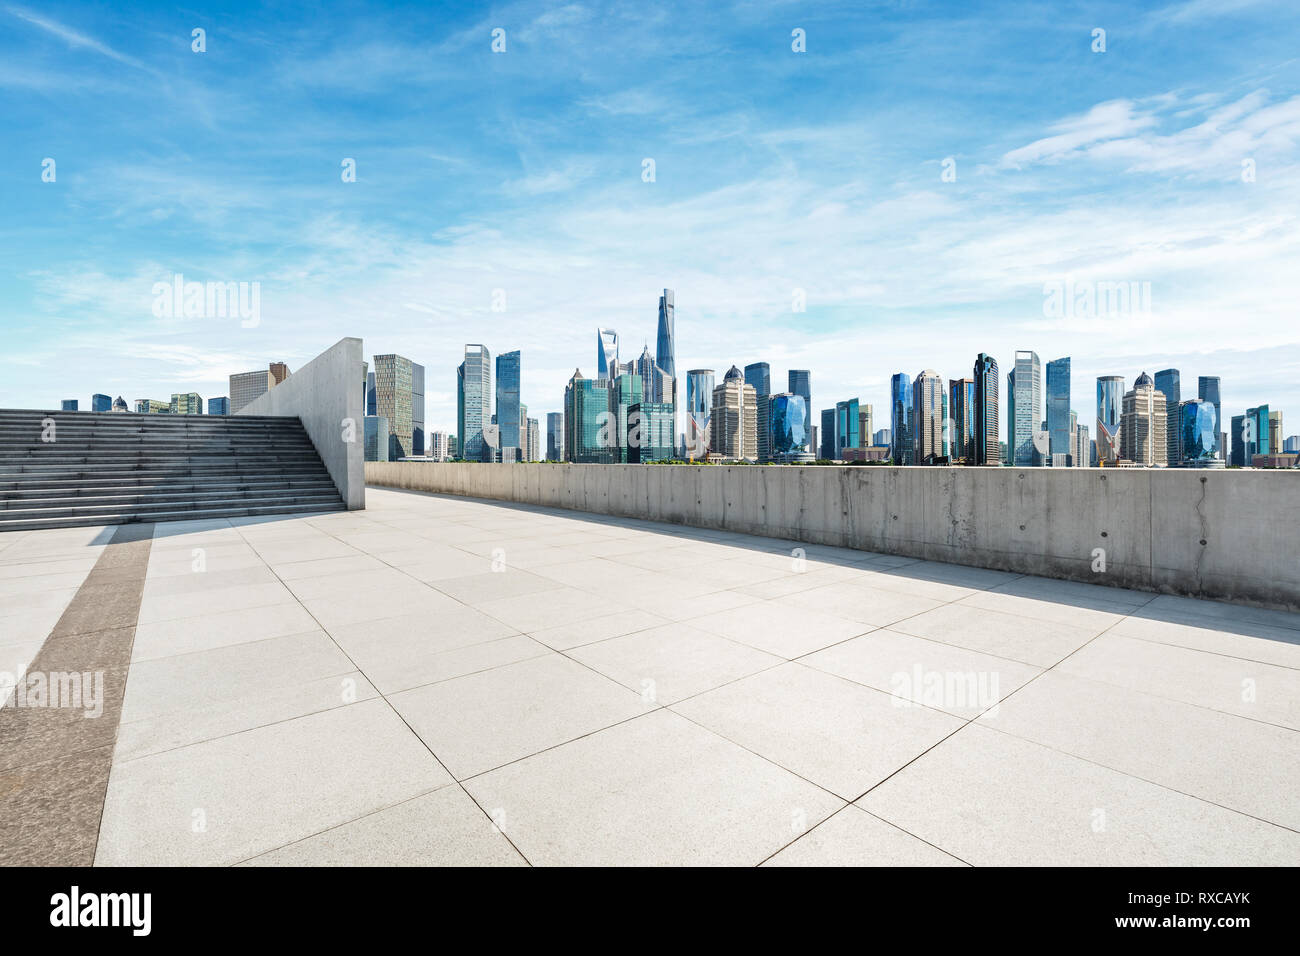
{"x":100,"y":403}
{"x":186,"y":403}
{"x":151,"y":406}
{"x":219,"y":406}
{"x":69,"y":404}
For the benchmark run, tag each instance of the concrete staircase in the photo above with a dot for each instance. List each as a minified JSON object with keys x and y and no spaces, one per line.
{"x":115,"y":468}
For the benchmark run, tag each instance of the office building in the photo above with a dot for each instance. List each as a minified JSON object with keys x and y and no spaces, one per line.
{"x":440,"y":445}
{"x":588,"y":436}
{"x":1256,"y":433}
{"x":759,"y":375}
{"x":1237,"y":455}
{"x":826,"y":435}
{"x":151,"y":406}
{"x":650,"y":432}
{"x":788,"y":416}
{"x":375,"y":434}
{"x":847,"y":422}
{"x":534,"y":440}
{"x":1082,"y":447}
{"x":699,"y":406}
{"x":245,"y":387}
{"x":1168,"y":383}
{"x":961,"y":417}
{"x":733,"y":421}
{"x":417,"y":409}
{"x":607,"y":366}
{"x":929,"y":415}
{"x":370,"y":393}
{"x":1143,"y":424}
{"x":1026,"y":409}
{"x":183,"y":403}
{"x":900,"y":419}
{"x":555,"y":436}
{"x":69,"y":405}
{"x":987,"y":445}
{"x":100,"y":403}
{"x":866,"y":422}
{"x":1200,"y":438}
{"x":799,"y":382}
{"x":508,"y":408}
{"x":881,"y":437}
{"x":1274,"y":432}
{"x":474,"y":403}
{"x":1207,"y":390}
{"x":625,"y":391}
{"x":1110,"y":409}
{"x":665,"y":343}
{"x":1059,"y":431}
{"x":219,"y":406}
{"x":395,"y":401}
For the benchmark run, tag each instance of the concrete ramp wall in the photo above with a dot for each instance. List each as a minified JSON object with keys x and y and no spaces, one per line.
{"x":1227,"y":535}
{"x":325,"y":394}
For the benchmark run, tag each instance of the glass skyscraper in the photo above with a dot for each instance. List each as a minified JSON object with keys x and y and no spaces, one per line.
{"x":699,"y":408}
{"x":1168,"y":384}
{"x":474,"y":401}
{"x":1200,"y":431}
{"x":665,"y":343}
{"x":799,"y":382}
{"x":1058,"y":408}
{"x":1110,"y":409}
{"x":588,"y":432}
{"x":650,"y":431}
{"x":395,"y":401}
{"x":219,"y":406}
{"x":1207,"y":390}
{"x":555,"y":436}
{"x":788,"y":414}
{"x":929,"y":418}
{"x":100,"y":403}
{"x":508,"y":413}
{"x":827,"y":435}
{"x":987,"y":443}
{"x":847,"y":423}
{"x":69,"y":405}
{"x":1026,"y":409}
{"x":961,"y":419}
{"x":606,"y":354}
{"x":900,"y":419}
{"x":625,"y":391}
{"x":417,"y":409}
{"x":759,"y":375}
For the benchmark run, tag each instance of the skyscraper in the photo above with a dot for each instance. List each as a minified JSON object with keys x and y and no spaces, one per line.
{"x":699,"y":406}
{"x":1058,"y":408}
{"x":1207,"y":390}
{"x":961,"y":418}
{"x":987,"y":448}
{"x":606,"y":354}
{"x":247,"y":386}
{"x":1200,"y":436}
{"x":395,"y":401}
{"x":624,"y":392}
{"x":826,"y":434}
{"x":881,"y":438}
{"x":1168,"y":383}
{"x":1027,"y":405}
{"x":1274,"y":432}
{"x":474,"y":402}
{"x":665,"y":343}
{"x":929,"y":413}
{"x":1238,"y":454}
{"x":588,"y":435}
{"x":417,"y":409}
{"x":555,"y":436}
{"x":100,"y":403}
{"x":219,"y":406}
{"x":1110,"y":409}
{"x":1143,"y":424}
{"x":788,"y":415}
{"x":799,"y":381}
{"x":370,"y":393}
{"x":650,"y":432}
{"x":900,"y":419}
{"x":534,"y":441}
{"x":733,"y":422}
{"x":508,"y":408}
{"x":848,"y":421}
{"x":759,"y":375}
{"x":866,"y":422}
{"x":1082,"y":447}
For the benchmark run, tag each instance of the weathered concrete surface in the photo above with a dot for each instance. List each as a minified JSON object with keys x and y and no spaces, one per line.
{"x":1222,"y":535}
{"x":325,"y":394}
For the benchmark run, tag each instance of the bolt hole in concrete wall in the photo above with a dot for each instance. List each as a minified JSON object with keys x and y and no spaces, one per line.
{"x":1157,"y":516}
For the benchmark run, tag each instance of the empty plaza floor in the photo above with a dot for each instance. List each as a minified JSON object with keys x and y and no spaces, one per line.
{"x":439,"y":680}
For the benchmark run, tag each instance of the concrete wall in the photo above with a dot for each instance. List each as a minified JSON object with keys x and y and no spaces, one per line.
{"x":1227,"y":535}
{"x":325,"y":394}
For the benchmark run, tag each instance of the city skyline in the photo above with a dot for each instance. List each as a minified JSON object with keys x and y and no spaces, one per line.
{"x":763,"y":201}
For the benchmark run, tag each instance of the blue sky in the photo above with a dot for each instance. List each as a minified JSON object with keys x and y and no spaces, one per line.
{"x":774,"y":171}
